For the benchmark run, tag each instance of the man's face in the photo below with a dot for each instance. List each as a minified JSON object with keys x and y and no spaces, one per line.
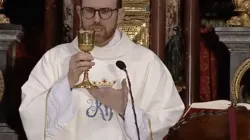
{"x":104,"y":28}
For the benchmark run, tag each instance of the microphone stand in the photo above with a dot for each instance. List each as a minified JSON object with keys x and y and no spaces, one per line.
{"x":133,"y":106}
{"x":122,"y":66}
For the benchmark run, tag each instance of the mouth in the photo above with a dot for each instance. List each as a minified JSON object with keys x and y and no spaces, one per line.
{"x":98,"y":29}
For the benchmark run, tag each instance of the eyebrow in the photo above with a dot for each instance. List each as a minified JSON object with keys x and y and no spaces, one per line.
{"x":99,"y":8}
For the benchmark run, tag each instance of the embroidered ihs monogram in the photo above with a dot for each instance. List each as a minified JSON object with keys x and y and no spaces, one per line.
{"x":97,"y":108}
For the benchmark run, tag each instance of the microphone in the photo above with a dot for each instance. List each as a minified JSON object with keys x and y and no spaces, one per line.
{"x":121,"y":65}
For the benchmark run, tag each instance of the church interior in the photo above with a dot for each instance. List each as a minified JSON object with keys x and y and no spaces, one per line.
{"x":203,"y":43}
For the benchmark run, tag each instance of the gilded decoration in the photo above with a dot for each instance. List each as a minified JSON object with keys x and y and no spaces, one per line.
{"x":172,"y":17}
{"x":236,"y":83}
{"x":242,"y":7}
{"x":172,"y":34}
{"x":136,"y":21}
{"x":68,"y":15}
{"x":1,"y":85}
{"x":104,"y":83}
{"x":3,"y":18}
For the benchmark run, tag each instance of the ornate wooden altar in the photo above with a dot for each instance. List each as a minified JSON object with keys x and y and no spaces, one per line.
{"x":208,"y":124}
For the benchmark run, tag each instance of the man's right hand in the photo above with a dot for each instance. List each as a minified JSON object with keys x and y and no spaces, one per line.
{"x":77,"y":64}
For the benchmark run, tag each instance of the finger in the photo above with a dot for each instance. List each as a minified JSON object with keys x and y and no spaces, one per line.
{"x":82,"y":56}
{"x":81,"y":69}
{"x":101,"y":90}
{"x":97,"y":93}
{"x":84,"y":64}
{"x":124,"y":86}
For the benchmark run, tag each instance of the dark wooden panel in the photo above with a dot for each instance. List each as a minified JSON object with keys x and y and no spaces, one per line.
{"x":9,"y":36}
{"x":191,"y":44}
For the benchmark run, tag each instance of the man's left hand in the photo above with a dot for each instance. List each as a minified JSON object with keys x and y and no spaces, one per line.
{"x":113,"y":98}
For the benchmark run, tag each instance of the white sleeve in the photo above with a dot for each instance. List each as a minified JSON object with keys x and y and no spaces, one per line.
{"x":159,"y":106}
{"x":160,"y":100}
{"x":60,"y":107}
{"x":130,"y":127}
{"x":44,"y":80}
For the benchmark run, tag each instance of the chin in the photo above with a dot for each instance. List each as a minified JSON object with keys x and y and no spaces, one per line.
{"x":101,"y":40}
{"x":100,"y":43}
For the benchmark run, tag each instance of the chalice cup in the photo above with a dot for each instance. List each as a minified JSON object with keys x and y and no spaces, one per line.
{"x":86,"y":40}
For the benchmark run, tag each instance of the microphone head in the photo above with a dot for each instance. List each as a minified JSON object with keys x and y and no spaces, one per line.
{"x":121,"y":65}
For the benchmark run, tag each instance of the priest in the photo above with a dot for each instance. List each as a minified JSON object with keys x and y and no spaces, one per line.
{"x":52,"y":109}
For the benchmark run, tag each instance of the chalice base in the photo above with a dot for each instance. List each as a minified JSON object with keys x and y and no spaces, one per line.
{"x":86,"y":84}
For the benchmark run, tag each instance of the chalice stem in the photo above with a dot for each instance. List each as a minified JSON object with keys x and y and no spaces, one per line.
{"x":86,"y":76}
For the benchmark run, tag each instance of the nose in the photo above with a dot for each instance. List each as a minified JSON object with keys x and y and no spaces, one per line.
{"x":97,"y":17}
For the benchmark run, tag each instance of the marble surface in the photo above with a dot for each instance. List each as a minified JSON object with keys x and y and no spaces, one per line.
{"x":10,"y":35}
{"x":6,"y":133}
{"x":237,"y":41}
{"x":10,"y":32}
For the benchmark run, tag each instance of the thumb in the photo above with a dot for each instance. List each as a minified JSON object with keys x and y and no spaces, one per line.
{"x":124,"y":86}
{"x":91,"y":91}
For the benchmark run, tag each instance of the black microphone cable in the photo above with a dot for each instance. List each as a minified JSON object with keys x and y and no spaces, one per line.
{"x":121,"y":65}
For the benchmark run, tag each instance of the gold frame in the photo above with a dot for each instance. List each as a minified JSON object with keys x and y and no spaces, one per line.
{"x":235,"y":90}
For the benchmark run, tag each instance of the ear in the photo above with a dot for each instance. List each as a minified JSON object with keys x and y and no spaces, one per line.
{"x":78,"y":10}
{"x":121,"y":14}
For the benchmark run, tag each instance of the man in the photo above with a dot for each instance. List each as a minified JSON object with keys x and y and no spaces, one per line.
{"x":105,"y":113}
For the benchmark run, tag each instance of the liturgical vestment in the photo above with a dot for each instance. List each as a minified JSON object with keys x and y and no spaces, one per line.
{"x":51,"y":110}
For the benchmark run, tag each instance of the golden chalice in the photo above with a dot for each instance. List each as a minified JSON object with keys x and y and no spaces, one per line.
{"x":86,"y":39}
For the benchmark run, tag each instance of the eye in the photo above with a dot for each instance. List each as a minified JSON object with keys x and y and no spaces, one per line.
{"x":105,"y":11}
{"x":89,"y":10}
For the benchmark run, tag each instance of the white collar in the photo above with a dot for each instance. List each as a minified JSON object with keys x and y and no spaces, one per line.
{"x":116,"y":38}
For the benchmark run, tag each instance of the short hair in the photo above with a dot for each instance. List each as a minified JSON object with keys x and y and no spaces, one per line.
{"x":119,"y":4}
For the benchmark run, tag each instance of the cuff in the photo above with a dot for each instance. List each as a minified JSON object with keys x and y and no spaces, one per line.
{"x":60,"y":104}
{"x":62,"y":91}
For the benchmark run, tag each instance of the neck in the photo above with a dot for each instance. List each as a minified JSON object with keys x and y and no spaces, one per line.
{"x":103,"y":44}
{"x":112,"y":41}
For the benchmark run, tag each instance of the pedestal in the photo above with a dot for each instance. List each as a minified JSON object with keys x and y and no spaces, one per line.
{"x":10,"y":35}
{"x":6,"y":133}
{"x":237,"y":42}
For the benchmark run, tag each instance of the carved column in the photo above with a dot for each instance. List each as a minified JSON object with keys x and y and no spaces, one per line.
{"x":157,"y":27}
{"x":191,"y":42}
{"x":52,"y":23}
{"x":172,"y":17}
{"x":9,"y":38}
